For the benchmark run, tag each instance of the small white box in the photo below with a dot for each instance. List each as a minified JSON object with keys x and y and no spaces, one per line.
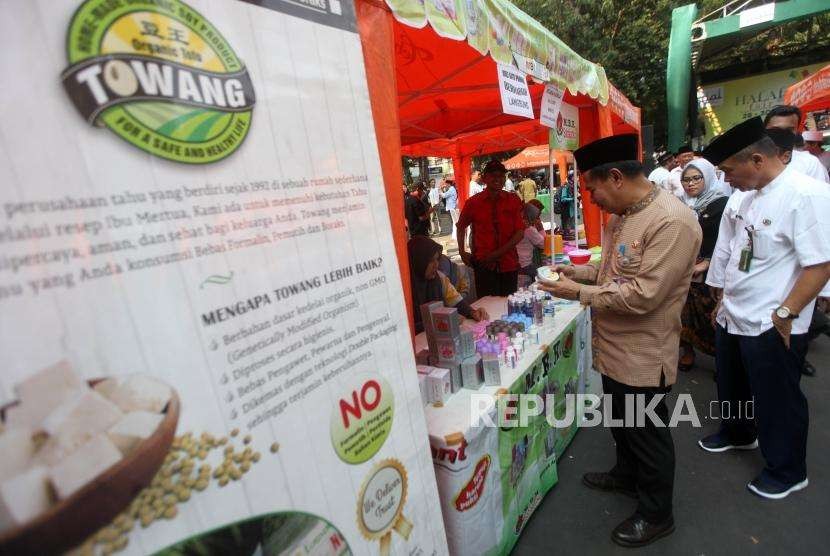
{"x":440,"y":385}
{"x":471,"y":373}
{"x":491,"y":368}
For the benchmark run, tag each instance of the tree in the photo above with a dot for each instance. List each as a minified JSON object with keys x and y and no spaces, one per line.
{"x":630,"y":38}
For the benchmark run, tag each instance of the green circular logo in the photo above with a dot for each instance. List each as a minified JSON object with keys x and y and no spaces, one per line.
{"x":362,"y":419}
{"x":160,"y":76}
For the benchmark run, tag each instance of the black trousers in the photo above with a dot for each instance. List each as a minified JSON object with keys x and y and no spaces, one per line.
{"x":491,"y":282}
{"x":761,"y":368}
{"x":645,"y":455}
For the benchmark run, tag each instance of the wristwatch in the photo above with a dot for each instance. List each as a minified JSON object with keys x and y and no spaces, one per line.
{"x":784,"y":313}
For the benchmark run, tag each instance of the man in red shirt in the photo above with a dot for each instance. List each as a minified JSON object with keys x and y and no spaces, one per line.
{"x":496,"y":218}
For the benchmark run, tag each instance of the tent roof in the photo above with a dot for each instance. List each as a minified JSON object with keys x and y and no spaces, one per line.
{"x":447,"y":88}
{"x":812,"y":92}
{"x":533,"y":157}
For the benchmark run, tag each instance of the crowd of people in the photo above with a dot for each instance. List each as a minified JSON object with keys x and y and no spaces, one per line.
{"x":425,"y":201}
{"x":724,"y":251}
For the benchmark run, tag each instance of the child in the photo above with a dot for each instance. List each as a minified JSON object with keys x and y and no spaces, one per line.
{"x":532,"y":239}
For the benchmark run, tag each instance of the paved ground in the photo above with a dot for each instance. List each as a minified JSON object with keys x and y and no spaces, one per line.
{"x":714,"y":513}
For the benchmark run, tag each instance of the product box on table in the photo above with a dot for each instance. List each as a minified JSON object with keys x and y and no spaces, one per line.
{"x":467,"y":344}
{"x":446,"y":322}
{"x":440,"y":387}
{"x":423,"y":357}
{"x":471,"y":372}
{"x":426,"y":318}
{"x":449,"y":348}
{"x":454,"y":366}
{"x":491,"y":368}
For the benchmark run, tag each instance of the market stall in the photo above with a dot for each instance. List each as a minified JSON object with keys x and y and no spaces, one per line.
{"x":492,"y":478}
{"x":811,"y":94}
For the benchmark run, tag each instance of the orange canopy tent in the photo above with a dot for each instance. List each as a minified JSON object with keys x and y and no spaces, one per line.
{"x":536,"y":157}
{"x":540,"y":156}
{"x":811,"y":93}
{"x":431,"y":69}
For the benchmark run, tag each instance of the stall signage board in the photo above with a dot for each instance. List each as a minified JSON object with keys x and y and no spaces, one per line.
{"x":564,"y":135}
{"x":515,"y":94}
{"x":193,"y":210}
{"x":551,"y":104}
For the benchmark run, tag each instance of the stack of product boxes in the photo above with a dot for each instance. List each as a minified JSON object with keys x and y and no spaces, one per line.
{"x":451,"y":361}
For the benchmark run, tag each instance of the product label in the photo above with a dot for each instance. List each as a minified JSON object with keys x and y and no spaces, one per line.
{"x":161,"y":77}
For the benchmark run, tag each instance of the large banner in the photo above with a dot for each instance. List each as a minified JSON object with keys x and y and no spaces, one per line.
{"x":203,"y":331}
{"x":725,"y":104}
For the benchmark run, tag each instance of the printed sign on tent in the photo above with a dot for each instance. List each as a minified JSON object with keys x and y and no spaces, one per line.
{"x":565,"y":134}
{"x":551,"y":103}
{"x":515,"y":95}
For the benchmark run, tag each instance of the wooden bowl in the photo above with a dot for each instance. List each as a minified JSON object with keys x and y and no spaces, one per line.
{"x":71,"y":521}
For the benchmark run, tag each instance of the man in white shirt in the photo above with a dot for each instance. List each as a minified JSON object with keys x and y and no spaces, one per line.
{"x":684,"y":155}
{"x":788,"y":117}
{"x":813,"y":141}
{"x":508,"y":183}
{"x":659,"y":175}
{"x":771,"y":260}
{"x":475,"y":183}
{"x":434,"y":197}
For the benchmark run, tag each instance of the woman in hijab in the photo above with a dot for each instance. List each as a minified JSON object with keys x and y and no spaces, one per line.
{"x":429,"y":284}
{"x":703,"y":195}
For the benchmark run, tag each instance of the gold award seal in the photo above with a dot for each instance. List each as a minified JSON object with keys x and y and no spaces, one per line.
{"x":380,"y":504}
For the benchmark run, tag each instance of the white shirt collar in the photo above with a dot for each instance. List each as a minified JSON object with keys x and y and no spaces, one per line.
{"x":775,"y":183}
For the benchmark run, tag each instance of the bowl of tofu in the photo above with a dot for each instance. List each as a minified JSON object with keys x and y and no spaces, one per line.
{"x":76,"y":453}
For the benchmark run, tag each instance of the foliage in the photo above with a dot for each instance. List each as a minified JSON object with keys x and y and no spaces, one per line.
{"x":630,"y":39}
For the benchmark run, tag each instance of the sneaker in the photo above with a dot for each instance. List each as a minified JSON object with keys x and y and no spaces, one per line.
{"x":719,"y":443}
{"x":764,"y":489}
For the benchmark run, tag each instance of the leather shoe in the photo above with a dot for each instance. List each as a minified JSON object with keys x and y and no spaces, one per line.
{"x":609,"y":483}
{"x":636,"y":531}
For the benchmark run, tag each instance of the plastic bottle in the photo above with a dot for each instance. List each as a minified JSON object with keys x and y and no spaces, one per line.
{"x":550,"y":311}
{"x":533,"y":333}
{"x":538,"y":310}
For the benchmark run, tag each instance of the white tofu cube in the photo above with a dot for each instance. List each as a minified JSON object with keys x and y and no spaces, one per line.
{"x":16,"y":452}
{"x":83,"y":465}
{"x":133,"y":428}
{"x":24,"y":497}
{"x":141,"y":393}
{"x":58,"y":377}
{"x":106,"y":387}
{"x":42,"y":393}
{"x":74,"y":423}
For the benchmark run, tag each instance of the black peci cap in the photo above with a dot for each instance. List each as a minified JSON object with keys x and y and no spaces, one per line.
{"x":617,"y":148}
{"x":664,"y":158}
{"x":734,"y":140}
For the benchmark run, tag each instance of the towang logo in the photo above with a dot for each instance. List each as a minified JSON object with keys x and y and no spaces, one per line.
{"x":160,"y":76}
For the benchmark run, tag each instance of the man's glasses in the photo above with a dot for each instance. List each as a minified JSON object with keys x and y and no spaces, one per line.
{"x":693,"y":179}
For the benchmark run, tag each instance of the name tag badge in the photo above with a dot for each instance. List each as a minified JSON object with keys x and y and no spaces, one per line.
{"x":745,"y":260}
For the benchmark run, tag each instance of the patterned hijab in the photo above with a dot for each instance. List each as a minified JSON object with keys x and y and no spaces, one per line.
{"x":711,"y":191}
